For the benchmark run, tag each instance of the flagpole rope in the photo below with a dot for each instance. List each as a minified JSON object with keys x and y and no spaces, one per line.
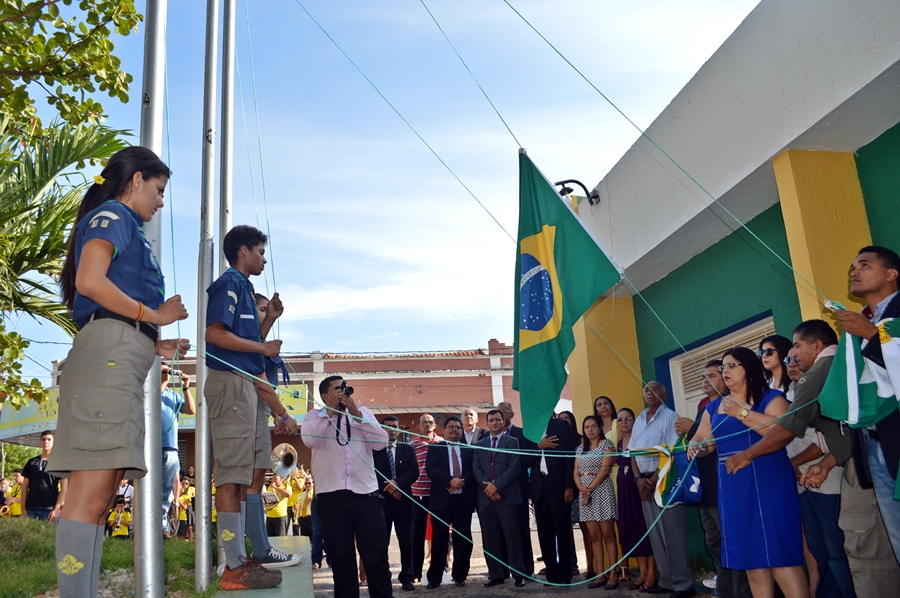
{"x":670,"y":158}
{"x":237,"y":68}
{"x":262,"y":166}
{"x":552,"y":453}
{"x":471,"y":540}
{"x":483,"y":92}
{"x":406,"y":122}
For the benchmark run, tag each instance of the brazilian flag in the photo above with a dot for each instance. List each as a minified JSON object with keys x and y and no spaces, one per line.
{"x":561,"y":271}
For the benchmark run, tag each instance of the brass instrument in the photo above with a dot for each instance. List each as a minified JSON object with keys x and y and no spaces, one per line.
{"x":284,"y":459}
{"x":118,"y":522}
{"x":4,"y":511}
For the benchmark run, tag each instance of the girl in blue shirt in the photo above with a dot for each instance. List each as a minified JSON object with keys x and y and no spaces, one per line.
{"x":114,"y":289}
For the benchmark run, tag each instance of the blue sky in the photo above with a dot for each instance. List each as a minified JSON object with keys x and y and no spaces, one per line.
{"x":374,"y":245}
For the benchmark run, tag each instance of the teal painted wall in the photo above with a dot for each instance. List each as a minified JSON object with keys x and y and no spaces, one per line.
{"x":878,"y":165}
{"x":732,"y":281}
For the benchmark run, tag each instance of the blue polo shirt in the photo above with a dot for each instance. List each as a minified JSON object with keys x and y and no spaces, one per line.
{"x":133,"y":269}
{"x":171,"y":403}
{"x":232,"y":303}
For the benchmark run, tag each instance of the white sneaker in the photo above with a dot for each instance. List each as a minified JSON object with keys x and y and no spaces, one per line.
{"x":710,"y":583}
{"x":276,"y":559}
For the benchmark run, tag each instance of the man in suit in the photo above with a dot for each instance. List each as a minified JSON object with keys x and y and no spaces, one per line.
{"x":397,"y":488}
{"x":499,"y":497}
{"x":552,"y":491}
{"x":453,"y":497}
{"x":471,"y":432}
{"x":526,"y":462}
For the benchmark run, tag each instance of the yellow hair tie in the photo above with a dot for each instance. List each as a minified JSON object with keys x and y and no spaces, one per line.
{"x":99,"y":179}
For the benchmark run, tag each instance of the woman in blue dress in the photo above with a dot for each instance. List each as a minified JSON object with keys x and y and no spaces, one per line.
{"x":758,"y":505}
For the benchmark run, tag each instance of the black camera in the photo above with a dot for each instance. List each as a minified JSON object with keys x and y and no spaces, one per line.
{"x":347,"y":390}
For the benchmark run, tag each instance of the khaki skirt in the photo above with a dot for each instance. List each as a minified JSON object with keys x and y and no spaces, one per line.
{"x":101,"y":414}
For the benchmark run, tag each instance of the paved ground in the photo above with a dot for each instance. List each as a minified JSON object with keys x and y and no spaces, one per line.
{"x":324,"y":587}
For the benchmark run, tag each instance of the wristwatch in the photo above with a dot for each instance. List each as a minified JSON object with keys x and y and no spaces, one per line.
{"x":744,"y":413}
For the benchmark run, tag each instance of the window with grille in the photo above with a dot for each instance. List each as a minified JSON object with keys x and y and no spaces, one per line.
{"x":687,"y":369}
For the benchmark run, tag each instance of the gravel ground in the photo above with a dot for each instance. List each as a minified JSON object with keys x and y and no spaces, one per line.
{"x":324,"y":586}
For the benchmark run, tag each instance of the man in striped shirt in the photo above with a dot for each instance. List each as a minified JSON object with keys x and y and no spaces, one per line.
{"x":421,"y":490}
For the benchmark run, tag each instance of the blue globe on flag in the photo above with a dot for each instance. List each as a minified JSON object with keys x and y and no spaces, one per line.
{"x":535,"y":294}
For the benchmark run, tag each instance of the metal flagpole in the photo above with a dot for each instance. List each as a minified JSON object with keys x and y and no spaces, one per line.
{"x":226,"y":156}
{"x":203,"y":442}
{"x":148,"y":546}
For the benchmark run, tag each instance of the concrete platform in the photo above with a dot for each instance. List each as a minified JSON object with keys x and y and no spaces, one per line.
{"x":297,"y":581}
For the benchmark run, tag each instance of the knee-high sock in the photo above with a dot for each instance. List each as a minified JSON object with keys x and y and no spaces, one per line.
{"x":256,"y":525}
{"x":232,"y":538}
{"x":75,"y":555}
{"x":98,"y":557}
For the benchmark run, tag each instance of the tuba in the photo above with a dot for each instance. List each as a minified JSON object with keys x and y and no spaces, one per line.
{"x":284,"y":459}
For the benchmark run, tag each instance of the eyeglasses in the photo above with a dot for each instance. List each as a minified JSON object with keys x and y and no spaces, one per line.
{"x":766,"y":352}
{"x":791,"y":359}
{"x":452,"y":427}
{"x":625,"y":419}
{"x":729,"y":366}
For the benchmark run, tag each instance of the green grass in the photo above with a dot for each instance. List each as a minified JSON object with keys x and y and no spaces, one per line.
{"x":28,"y":555}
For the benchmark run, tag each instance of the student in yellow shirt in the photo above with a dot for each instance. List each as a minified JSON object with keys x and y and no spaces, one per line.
{"x":120,"y":520}
{"x":277,"y":514}
{"x":185,"y":527}
{"x":296,"y":483}
{"x":14,"y":498}
{"x":303,"y":509}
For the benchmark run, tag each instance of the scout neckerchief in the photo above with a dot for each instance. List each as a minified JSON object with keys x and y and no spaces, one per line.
{"x":161,"y":287}
{"x":249,"y":288}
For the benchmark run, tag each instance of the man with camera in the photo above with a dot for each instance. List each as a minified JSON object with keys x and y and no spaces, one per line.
{"x":342,"y":437}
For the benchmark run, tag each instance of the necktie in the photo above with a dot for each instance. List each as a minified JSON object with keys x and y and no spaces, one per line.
{"x":391,"y":461}
{"x":455,"y":466}
{"x":493,"y":447}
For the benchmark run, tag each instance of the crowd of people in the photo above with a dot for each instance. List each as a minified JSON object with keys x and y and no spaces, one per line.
{"x":790,"y":497}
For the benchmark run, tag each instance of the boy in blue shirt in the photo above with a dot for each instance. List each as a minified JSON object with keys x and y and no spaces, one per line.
{"x":235,"y":348}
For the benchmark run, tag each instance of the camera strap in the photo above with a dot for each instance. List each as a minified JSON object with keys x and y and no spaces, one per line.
{"x":337,"y":430}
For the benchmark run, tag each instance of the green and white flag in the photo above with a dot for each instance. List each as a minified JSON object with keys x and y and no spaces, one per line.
{"x":859,"y":391}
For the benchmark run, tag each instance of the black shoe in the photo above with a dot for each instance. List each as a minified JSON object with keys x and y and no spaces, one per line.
{"x":459,"y":584}
{"x":493,"y":582}
{"x":432,"y":585}
{"x":658,"y":589}
{"x":684,"y":593}
{"x":520,"y":582}
{"x":408,"y":586}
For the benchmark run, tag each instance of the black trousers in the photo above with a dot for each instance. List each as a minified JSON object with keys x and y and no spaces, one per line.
{"x":420,"y":524}
{"x":276,"y":526}
{"x":401,"y":521}
{"x":346,"y":516}
{"x":554,"y":523}
{"x":499,"y":531}
{"x":459,"y":516}
{"x":525,"y":536}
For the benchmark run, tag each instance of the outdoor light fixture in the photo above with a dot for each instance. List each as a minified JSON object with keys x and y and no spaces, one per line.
{"x":592,"y":196}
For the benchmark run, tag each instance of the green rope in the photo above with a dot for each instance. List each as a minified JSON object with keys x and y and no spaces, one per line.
{"x":483,"y":92}
{"x":664,"y":153}
{"x":406,"y":122}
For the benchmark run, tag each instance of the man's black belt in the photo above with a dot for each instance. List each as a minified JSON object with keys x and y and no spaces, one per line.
{"x":144,"y":328}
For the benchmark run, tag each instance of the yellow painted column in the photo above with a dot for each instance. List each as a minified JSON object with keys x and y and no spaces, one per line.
{"x":825,"y":221}
{"x":606,"y":359}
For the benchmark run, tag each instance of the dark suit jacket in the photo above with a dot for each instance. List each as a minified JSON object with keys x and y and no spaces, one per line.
{"x":437,"y":463}
{"x":560,"y":468}
{"x":888,"y":428}
{"x":506,"y":470}
{"x":526,"y":461}
{"x":407,"y":472}
{"x":479,"y":434}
